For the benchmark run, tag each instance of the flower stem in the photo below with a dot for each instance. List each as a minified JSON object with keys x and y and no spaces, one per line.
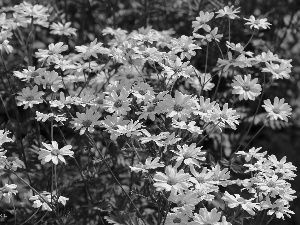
{"x":115,"y":178}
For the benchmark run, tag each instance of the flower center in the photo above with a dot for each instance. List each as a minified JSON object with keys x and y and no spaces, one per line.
{"x":186,"y":155}
{"x":151,"y":109}
{"x":177,"y":220}
{"x":155,"y":100}
{"x":171,"y":181}
{"x":51,"y":52}
{"x":146,"y":54}
{"x":129,"y":76}
{"x":257,"y":22}
{"x":86,"y":123}
{"x":276,"y":110}
{"x":115,"y":127}
{"x":246,"y":87}
{"x":142,"y":92}
{"x":177,"y":70}
{"x":224,"y":116}
{"x":177,"y":108}
{"x":35,"y":74}
{"x":271,"y":184}
{"x":55,"y":152}
{"x":180,"y":204}
{"x":118,"y":103}
{"x":118,"y":91}
{"x":200,"y":180}
{"x":29,"y":98}
{"x":185,"y":49}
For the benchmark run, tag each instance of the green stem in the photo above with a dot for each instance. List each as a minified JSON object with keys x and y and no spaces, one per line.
{"x":115,"y":178}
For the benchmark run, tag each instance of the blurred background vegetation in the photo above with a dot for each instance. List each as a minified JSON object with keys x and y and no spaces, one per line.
{"x":90,"y":17}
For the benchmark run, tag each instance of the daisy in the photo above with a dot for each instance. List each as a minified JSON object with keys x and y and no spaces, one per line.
{"x":189,"y":155}
{"x":149,"y":164}
{"x":177,"y":68}
{"x":185,"y":202}
{"x":266,"y":56}
{"x":221,"y":176}
{"x":179,"y":218}
{"x":246,"y":88}
{"x":92,"y":50}
{"x":4,"y":138}
{"x":204,"y":108}
{"x":205,"y":217}
{"x":184,"y":126}
{"x":179,"y":107}
{"x":112,"y":123}
{"x":236,"y":200}
{"x":62,"y":29}
{"x":5,"y":46}
{"x":130,"y":129}
{"x":213,"y":35}
{"x":29,"y":73}
{"x":53,"y":153}
{"x":149,"y":111}
{"x":226,"y":115}
{"x":7,"y":192}
{"x":168,"y":139}
{"x":49,"y":79}
{"x":229,"y":12}
{"x":282,"y":168}
{"x":155,"y":138}
{"x":117,"y":103}
{"x":279,"y":71}
{"x":42,"y":200}
{"x":253,"y":153}
{"x":257,"y":23}
{"x":52,"y":53}
{"x":280,"y":208}
{"x":148,"y":54}
{"x":185,"y":46}
{"x":143,"y":92}
{"x":86,"y":121}
{"x":203,"y":180}
{"x":238,"y":48}
{"x":202,"y":81}
{"x":29,"y":97}
{"x":279,"y":110}
{"x":201,"y":21}
{"x":226,"y":62}
{"x":26,"y":9}
{"x":271,"y":185}
{"x":173,"y":180}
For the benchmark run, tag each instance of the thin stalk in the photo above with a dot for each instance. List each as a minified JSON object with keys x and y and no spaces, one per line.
{"x":252,"y":122}
{"x":199,"y":142}
{"x":79,"y":169}
{"x":255,"y":135}
{"x":205,"y":69}
{"x":115,"y":178}
{"x":250,"y":39}
{"x":31,"y":216}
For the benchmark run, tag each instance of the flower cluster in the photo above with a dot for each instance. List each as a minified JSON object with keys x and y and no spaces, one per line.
{"x":141,"y":93}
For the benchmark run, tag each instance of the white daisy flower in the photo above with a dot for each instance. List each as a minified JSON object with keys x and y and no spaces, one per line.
{"x":246,"y":88}
{"x":53,"y":153}
{"x":279,"y":109}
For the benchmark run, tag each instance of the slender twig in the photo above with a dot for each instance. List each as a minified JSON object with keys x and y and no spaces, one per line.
{"x":252,"y":122}
{"x":199,"y":142}
{"x":31,"y":216}
{"x":250,"y":39}
{"x":113,"y":175}
{"x":255,"y":135}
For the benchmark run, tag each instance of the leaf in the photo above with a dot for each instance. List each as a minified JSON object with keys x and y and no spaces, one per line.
{"x":211,"y":160}
{"x":103,"y":206}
